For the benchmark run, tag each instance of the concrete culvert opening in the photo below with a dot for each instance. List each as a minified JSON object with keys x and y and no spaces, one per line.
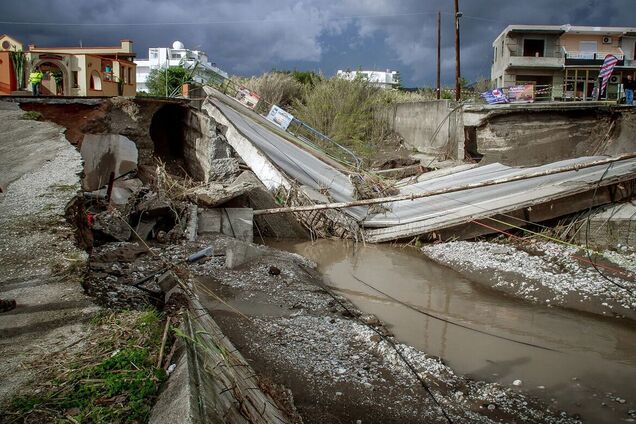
{"x":168,"y":132}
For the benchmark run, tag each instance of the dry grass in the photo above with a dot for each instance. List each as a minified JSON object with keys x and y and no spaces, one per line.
{"x":173,"y":187}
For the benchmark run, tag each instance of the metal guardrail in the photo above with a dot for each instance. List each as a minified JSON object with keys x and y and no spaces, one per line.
{"x":231,"y":88}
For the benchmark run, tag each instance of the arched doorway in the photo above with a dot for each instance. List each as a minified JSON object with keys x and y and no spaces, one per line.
{"x":55,"y":81}
{"x":96,"y":81}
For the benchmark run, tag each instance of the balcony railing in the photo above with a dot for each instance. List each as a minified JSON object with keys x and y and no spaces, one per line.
{"x":592,"y":55}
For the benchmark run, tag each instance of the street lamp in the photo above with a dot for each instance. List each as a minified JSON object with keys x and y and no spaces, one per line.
{"x":458,"y":73}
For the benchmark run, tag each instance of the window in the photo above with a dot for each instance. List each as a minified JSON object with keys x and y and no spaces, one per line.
{"x":588,"y":46}
{"x":75,"y":79}
{"x":129,"y":71}
{"x":175,"y":55}
{"x":154,"y":53}
{"x":533,"y":47}
{"x":502,"y":47}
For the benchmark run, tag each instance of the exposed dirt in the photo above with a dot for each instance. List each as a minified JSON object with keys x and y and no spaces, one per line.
{"x":76,"y":118}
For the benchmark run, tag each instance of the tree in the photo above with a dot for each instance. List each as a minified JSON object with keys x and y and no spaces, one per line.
{"x":18,"y":61}
{"x":167,"y":82}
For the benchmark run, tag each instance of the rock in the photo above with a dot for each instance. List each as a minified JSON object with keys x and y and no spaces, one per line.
{"x":153,"y":206}
{"x":492,"y":407}
{"x":517,"y":383}
{"x":209,"y":221}
{"x":106,"y":153}
{"x":370,"y":320}
{"x":144,"y":228}
{"x":224,"y":169}
{"x":273,"y":270}
{"x":111,"y":225}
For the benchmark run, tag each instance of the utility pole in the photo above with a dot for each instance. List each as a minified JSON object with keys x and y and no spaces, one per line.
{"x":458,"y":72}
{"x":439,"y":54}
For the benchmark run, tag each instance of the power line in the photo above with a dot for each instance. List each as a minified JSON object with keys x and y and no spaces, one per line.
{"x":218,"y":22}
{"x":243,"y":21}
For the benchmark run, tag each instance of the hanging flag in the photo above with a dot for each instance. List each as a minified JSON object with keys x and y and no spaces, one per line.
{"x":496,"y":96}
{"x":606,"y":70}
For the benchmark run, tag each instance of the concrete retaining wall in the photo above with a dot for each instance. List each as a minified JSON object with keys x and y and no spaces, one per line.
{"x":535,"y":134}
{"x":431,"y":127}
{"x":611,"y":229}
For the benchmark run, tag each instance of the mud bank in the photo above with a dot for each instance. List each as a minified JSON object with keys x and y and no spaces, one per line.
{"x":547,"y":273}
{"x":339,"y":363}
{"x":574,"y":361}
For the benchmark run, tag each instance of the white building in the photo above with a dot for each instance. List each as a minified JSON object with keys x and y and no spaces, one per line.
{"x":178,"y":55}
{"x":386,"y":80}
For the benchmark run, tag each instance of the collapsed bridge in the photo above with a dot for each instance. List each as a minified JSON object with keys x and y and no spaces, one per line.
{"x":442,"y":205}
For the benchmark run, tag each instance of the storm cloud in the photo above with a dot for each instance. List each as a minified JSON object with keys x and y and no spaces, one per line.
{"x":252,"y":36}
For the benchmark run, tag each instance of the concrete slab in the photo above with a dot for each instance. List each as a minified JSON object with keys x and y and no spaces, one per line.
{"x":238,"y":253}
{"x":233,"y":222}
{"x":613,"y":228}
{"x":106,"y":153}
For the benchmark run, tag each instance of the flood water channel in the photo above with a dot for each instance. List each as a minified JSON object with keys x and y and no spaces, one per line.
{"x":583,"y":362}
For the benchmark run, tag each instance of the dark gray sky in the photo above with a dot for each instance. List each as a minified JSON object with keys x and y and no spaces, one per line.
{"x":252,"y":36}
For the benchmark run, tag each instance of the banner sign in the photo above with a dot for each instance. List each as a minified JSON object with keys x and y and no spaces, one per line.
{"x":247,"y":97}
{"x":521,"y":93}
{"x":495,"y":97}
{"x":515,"y":94}
{"x":279,"y":117}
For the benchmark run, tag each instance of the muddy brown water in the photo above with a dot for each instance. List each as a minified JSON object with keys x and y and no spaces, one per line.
{"x":592,"y":361}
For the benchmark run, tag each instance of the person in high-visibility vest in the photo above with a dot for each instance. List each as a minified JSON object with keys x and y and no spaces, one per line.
{"x":35,"y":78}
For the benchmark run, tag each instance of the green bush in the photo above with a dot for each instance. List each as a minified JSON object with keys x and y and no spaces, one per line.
{"x":31,"y":115}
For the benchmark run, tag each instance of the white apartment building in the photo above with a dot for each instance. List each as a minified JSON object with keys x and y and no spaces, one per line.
{"x":178,"y":55}
{"x":388,"y":79}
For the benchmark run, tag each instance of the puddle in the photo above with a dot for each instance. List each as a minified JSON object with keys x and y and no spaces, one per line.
{"x":256,"y":303}
{"x":592,"y":360}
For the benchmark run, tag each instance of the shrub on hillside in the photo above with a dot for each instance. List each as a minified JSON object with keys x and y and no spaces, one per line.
{"x":345,"y":111}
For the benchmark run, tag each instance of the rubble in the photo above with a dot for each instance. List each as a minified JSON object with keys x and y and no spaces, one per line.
{"x":234,"y":222}
{"x":110,"y":225}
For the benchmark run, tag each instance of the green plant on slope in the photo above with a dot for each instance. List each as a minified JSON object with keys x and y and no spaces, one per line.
{"x":115,"y":381}
{"x":346,"y":112}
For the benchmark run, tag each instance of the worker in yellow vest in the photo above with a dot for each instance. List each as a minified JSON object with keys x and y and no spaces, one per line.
{"x":35,"y":79}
